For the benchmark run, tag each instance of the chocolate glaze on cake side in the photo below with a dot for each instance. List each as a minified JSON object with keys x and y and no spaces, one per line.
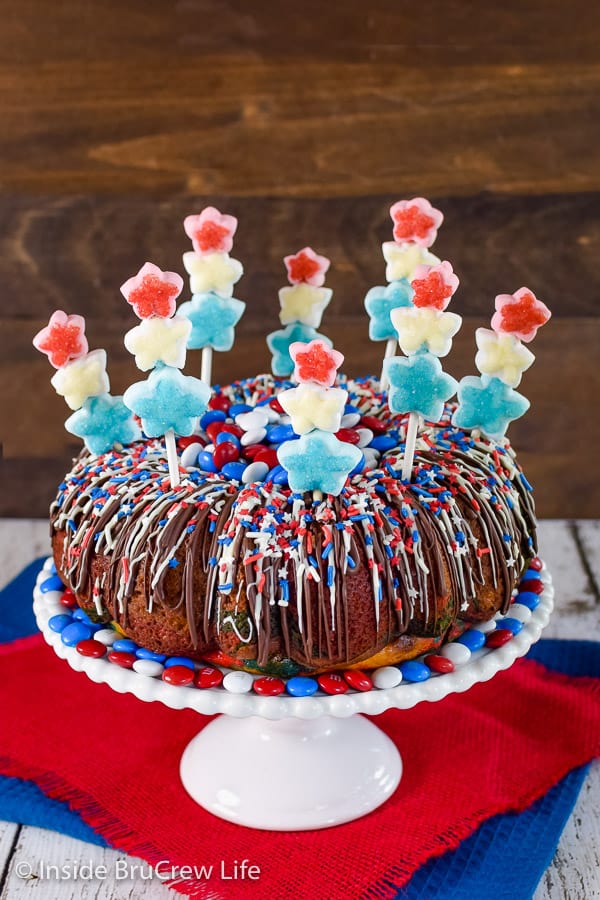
{"x":257,"y":577}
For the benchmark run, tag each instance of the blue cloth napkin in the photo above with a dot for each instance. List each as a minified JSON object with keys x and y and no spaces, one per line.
{"x":505,"y":858}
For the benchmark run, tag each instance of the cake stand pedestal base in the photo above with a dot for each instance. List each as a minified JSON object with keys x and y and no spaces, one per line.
{"x":290,"y":774}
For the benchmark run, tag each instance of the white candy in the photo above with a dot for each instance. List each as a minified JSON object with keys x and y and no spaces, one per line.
{"x":387,"y":677}
{"x":520,"y":611}
{"x":253,"y":437}
{"x":216,"y":272}
{"x":502,"y":356}
{"x":238,"y":682}
{"x":53,"y":597}
{"x":256,"y":471}
{"x":106,"y":636}
{"x":311,"y":406}
{"x":424,"y":327}
{"x":157,"y":340}
{"x":55,"y":609}
{"x":48,"y":564}
{"x":484,"y":627}
{"x":403,"y":259}
{"x":149,"y":667}
{"x":272,"y":414}
{"x":84,"y":377}
{"x":303,"y":303}
{"x":189,"y":457}
{"x":456,"y":653}
{"x":371,"y":457}
{"x":250,"y":421}
{"x":350,"y":420}
{"x":366,"y":436}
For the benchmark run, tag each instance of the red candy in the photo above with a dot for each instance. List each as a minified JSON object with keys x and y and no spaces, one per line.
{"x":224,"y":453}
{"x":536,"y":564}
{"x":332,"y":683}
{"x":208,"y":677}
{"x":63,"y":339}
{"x":347,"y":436}
{"x":186,"y":441}
{"x":439,"y":663}
{"x":358,"y":680}
{"x":219,"y":401}
{"x":232,"y":428}
{"x":374,"y":424}
{"x":214,"y":429}
{"x":68,"y":599}
{"x":534,"y":585}
{"x":121,"y":658}
{"x":178,"y":675}
{"x":268,"y":686}
{"x":92,"y":648}
{"x":253,"y":450}
{"x":499,"y":637}
{"x":276,"y":405}
{"x":267,"y":456}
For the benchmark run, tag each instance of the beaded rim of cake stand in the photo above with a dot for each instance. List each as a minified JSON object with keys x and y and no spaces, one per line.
{"x":179,"y":683}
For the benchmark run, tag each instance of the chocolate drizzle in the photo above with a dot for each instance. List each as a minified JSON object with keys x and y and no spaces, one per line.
{"x":262,"y":572}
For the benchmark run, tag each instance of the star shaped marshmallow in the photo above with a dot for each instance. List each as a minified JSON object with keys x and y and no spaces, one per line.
{"x":310,"y":406}
{"x":152,"y":292}
{"x":303,"y":303}
{"x":318,"y":462}
{"x":279,"y":343}
{"x":307,"y":267}
{"x":84,"y":377}
{"x":63,"y":339}
{"x":212,"y":319}
{"x":520,"y":314}
{"x":379,"y":303}
{"x":433,"y":286}
{"x":167,"y":400}
{"x":315,"y":362}
{"x":216,"y":272}
{"x":418,"y":384}
{"x":403,"y":259}
{"x":103,"y":422}
{"x":425,"y":328}
{"x":211,"y":231}
{"x":488,"y":404}
{"x":502,"y":356}
{"x":159,"y":341}
{"x":416,"y":221}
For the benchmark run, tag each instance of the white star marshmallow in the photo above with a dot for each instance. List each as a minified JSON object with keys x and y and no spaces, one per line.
{"x":310,"y":406}
{"x":84,"y":377}
{"x":403,"y":259}
{"x":157,"y":340}
{"x":216,"y":272}
{"x":303,"y":303}
{"x":419,"y":327}
{"x":502,"y":356}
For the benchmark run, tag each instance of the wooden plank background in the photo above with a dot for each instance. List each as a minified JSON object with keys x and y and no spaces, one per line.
{"x":305,"y":122}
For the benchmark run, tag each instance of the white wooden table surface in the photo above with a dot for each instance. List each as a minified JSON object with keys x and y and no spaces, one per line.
{"x":571,"y":549}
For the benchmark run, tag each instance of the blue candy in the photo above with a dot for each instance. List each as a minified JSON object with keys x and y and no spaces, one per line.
{"x":279,"y":342}
{"x":180,"y":661}
{"x":206,"y":462}
{"x":489,"y":404}
{"x":239,"y":408}
{"x":234,"y":470}
{"x":57,"y":623}
{"x":300,"y":686}
{"x":418,"y":384}
{"x":279,"y":475}
{"x":82,"y":616}
{"x":212,"y":415}
{"x":224,"y":437}
{"x":142,"y":653}
{"x":379,"y":303}
{"x":474,"y":640}
{"x":510,"y":624}
{"x":414,"y":671}
{"x":125,"y":645}
{"x":358,"y":467}
{"x":318,"y":462}
{"x":351,"y":410}
{"x":277,"y":434}
{"x":530,"y":574}
{"x":167,"y":400}
{"x":103,"y":422}
{"x":74,"y":633}
{"x":51,"y":584}
{"x":528,"y":599}
{"x":213,"y":319}
{"x":383,"y":442}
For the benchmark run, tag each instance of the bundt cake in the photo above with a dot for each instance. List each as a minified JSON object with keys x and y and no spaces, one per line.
{"x":254,"y":576}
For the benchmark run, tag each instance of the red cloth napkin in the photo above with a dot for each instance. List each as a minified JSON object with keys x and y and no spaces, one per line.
{"x":115,"y":760}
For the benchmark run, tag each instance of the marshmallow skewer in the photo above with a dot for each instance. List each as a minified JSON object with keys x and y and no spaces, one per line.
{"x":390,"y":349}
{"x":414,"y":421}
{"x":213,"y":310}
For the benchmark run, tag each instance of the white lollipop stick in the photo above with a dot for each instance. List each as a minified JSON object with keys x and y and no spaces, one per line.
{"x":206,"y":371}
{"x":317,"y":495}
{"x":411,"y":440}
{"x":172,"y":457}
{"x":390,"y":349}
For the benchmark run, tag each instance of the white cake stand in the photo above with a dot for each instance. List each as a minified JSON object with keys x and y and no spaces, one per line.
{"x":292,"y":763}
